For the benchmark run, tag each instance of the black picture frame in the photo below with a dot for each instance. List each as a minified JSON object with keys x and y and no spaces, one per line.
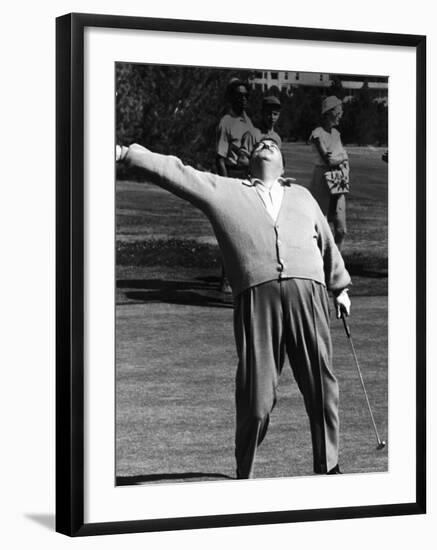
{"x":70,"y":273}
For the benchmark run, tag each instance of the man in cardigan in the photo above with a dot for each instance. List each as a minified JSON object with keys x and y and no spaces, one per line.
{"x":280,"y":257}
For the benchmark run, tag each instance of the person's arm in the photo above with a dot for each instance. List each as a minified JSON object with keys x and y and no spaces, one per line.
{"x":331,"y":160}
{"x":221,"y":166}
{"x":222,"y":148}
{"x":170,"y":173}
{"x":341,"y":156}
{"x":337,"y":278}
{"x":247,"y":144}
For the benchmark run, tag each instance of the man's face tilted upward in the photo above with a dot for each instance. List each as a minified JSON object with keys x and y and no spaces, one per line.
{"x":266,"y":156}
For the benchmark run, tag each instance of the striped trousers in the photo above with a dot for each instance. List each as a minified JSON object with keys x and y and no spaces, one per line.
{"x":274,"y":319}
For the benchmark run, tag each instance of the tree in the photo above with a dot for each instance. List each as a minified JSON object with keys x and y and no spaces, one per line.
{"x":365,"y":116}
{"x":172,"y":109}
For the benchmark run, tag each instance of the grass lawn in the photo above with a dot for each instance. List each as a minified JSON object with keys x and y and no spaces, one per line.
{"x":175,"y":350}
{"x":175,"y":396}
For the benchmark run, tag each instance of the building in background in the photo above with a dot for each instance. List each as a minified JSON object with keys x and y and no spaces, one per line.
{"x":287,"y":81}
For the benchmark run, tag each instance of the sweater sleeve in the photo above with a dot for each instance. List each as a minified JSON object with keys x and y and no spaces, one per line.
{"x":336,"y":276}
{"x":171,"y":174}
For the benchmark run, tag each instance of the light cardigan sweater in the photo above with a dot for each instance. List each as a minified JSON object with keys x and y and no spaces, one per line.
{"x":255,"y":248}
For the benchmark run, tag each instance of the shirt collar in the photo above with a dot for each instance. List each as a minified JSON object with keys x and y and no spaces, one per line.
{"x":282,"y":181}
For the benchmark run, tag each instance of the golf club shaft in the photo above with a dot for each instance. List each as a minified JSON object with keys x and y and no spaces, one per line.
{"x":349,"y":336}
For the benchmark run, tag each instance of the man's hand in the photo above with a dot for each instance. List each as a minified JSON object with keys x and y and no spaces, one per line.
{"x":342,"y":303}
{"x":243,"y":158}
{"x":120,"y":153}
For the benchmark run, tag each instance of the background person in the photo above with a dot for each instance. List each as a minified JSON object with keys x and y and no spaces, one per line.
{"x":231,"y":129}
{"x":281,"y":258}
{"x":271,"y":111}
{"x":330,"y":158}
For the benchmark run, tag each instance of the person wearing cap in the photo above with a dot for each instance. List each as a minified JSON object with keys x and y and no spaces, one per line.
{"x":330,"y":154}
{"x":271,"y":110}
{"x":231,"y":129}
{"x":281,"y":260}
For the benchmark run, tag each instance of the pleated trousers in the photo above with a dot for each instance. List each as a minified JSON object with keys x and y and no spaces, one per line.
{"x":274,"y":319}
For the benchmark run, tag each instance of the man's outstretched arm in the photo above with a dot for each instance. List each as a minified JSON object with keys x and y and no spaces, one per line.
{"x":170,"y":173}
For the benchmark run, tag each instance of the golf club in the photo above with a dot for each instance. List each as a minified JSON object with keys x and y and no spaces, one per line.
{"x":381,"y":443}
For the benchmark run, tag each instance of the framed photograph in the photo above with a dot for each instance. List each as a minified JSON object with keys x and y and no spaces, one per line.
{"x":240,"y":274}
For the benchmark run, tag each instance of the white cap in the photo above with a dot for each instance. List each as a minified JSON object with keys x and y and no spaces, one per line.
{"x":329,"y":103}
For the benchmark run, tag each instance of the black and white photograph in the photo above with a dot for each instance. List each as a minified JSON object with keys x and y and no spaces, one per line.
{"x":240,"y":258}
{"x":218,"y":305}
{"x":251,"y":252}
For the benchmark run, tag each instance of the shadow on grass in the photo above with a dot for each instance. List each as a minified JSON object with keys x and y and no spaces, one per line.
{"x":200,"y":292}
{"x":207,"y":282}
{"x":137,"y":480}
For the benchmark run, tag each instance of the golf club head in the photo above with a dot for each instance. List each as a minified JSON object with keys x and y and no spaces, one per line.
{"x":380,"y":445}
